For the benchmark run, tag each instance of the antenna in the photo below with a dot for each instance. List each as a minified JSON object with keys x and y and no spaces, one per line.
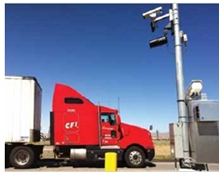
{"x":119,"y":105}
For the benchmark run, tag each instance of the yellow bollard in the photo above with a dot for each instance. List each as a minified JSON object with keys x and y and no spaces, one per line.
{"x":110,"y":161}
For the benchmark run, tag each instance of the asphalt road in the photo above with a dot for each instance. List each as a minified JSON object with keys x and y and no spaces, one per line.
{"x":99,"y":167}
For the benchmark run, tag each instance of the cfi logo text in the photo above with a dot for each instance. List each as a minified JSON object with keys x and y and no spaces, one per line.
{"x":70,"y":125}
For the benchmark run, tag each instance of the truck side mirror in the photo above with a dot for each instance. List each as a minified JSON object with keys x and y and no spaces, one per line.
{"x":150,"y":127}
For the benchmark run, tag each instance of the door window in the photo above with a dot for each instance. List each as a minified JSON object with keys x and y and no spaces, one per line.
{"x":109,"y":118}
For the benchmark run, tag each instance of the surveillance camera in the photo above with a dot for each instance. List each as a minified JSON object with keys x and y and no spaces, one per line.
{"x":152,"y":13}
{"x":195,"y":88}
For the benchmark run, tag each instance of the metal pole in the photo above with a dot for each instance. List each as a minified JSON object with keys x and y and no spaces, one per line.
{"x":180,"y":81}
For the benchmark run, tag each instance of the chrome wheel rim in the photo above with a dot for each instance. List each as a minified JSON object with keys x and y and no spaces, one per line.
{"x":22,"y":157}
{"x":135,"y":157}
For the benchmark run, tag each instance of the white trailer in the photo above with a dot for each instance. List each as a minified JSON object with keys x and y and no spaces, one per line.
{"x":23,"y":109}
{"x":23,"y":97}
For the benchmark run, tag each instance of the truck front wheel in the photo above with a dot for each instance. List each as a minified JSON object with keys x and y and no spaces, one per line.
{"x":135,"y":157}
{"x":22,"y":157}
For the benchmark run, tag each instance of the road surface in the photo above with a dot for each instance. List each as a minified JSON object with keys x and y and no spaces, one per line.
{"x":99,"y":167}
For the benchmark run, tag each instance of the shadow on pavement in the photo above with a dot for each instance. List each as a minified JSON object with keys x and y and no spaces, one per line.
{"x":49,"y":163}
{"x":81,"y":164}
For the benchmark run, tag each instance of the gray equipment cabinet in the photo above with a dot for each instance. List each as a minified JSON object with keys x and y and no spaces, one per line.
{"x":203,"y":126}
{"x":204,"y":130}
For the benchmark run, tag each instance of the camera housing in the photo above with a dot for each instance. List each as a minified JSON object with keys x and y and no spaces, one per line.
{"x":194,"y":88}
{"x":152,"y":13}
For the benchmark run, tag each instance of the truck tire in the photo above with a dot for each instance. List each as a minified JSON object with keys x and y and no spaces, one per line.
{"x":135,"y":157}
{"x":7,"y":152}
{"x":22,"y":157}
{"x":7,"y":164}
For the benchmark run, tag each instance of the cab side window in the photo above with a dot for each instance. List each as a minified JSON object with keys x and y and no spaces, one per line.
{"x":104,"y":117}
{"x":109,"y":118}
{"x":71,"y":100}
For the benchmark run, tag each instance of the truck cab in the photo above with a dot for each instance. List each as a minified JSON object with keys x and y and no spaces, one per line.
{"x":83,"y":127}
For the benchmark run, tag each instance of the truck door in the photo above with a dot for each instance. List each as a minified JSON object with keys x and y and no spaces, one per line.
{"x":109,"y":129}
{"x":71,"y":127}
{"x":66,"y":128}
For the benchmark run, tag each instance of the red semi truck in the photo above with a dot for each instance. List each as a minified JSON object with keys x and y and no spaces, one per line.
{"x":79,"y":129}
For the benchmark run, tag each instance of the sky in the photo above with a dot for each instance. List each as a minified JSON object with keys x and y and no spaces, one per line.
{"x":102,"y":50}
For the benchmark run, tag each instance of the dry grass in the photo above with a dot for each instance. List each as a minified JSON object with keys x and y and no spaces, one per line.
{"x":162,"y":150}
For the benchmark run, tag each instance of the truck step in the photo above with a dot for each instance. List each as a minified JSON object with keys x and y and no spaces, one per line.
{"x":48,"y":152}
{"x":110,"y":147}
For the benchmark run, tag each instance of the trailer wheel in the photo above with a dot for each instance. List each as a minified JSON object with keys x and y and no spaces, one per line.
{"x":135,"y":157}
{"x":22,"y":157}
